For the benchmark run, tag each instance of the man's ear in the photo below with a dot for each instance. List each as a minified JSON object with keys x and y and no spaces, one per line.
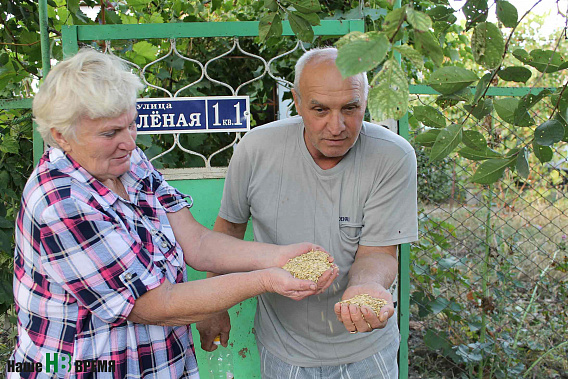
{"x":60,"y":139}
{"x":296,"y":97}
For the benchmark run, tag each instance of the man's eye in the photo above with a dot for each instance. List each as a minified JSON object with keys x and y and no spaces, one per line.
{"x":110,"y":133}
{"x":132,"y":125}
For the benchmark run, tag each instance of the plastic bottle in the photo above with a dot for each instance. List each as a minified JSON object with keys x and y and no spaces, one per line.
{"x":220,"y":362}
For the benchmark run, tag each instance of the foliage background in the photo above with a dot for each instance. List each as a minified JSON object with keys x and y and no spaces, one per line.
{"x":489,"y":274}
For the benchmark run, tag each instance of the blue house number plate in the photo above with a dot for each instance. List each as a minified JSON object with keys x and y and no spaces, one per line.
{"x":193,"y":114}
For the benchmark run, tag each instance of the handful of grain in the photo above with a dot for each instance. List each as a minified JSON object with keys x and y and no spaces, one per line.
{"x":366,"y":299}
{"x":310,"y":265}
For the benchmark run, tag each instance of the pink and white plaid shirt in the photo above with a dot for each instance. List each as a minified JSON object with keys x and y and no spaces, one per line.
{"x":83,"y":256}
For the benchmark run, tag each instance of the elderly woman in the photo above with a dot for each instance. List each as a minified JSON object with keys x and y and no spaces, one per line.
{"x":102,"y":242}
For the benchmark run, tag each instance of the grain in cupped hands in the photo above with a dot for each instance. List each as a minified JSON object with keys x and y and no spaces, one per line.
{"x":309,"y":266}
{"x":365,"y":299}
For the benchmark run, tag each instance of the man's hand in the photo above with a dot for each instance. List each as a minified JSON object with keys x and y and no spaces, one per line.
{"x":363,"y":319}
{"x":219,"y":324}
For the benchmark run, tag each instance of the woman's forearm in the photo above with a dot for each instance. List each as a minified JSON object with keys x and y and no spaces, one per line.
{"x":186,"y":303}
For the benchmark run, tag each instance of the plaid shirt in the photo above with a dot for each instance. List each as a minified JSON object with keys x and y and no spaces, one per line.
{"x":83,"y":256}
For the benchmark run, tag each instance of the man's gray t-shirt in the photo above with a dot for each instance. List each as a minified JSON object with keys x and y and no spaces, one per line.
{"x":368,"y":198}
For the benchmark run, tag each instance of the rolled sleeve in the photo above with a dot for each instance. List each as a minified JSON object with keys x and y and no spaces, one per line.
{"x":95,"y":259}
{"x":169,"y":197}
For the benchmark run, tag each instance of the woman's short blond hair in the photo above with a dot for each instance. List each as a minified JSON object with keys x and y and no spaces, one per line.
{"x":89,"y":84}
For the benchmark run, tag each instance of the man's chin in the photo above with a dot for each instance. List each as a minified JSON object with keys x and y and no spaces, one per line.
{"x":334,"y":153}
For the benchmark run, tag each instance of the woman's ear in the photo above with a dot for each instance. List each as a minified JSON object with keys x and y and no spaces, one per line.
{"x":60,"y":139}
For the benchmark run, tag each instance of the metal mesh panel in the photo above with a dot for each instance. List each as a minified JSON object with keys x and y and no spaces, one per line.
{"x":219,"y":66}
{"x":490,"y":272}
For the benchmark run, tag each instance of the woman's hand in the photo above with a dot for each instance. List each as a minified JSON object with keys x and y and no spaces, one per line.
{"x":280,"y":281}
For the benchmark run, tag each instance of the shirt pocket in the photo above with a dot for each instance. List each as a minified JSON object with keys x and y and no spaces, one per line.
{"x":351,"y":231}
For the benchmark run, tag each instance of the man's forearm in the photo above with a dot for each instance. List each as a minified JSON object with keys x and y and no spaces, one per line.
{"x":374,"y":265}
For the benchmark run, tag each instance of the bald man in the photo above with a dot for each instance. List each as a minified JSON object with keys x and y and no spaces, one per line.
{"x":348,"y":185}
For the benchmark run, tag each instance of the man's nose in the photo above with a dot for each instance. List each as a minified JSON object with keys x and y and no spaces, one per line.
{"x":336,"y":124}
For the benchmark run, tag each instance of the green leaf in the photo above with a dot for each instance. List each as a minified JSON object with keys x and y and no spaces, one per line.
{"x":435,"y":340}
{"x":312,"y":18}
{"x":144,"y":140}
{"x":301,"y":28}
{"x":270,"y":25}
{"x":306,"y":6}
{"x":543,"y":153}
{"x":429,"y":116}
{"x":474,"y":140}
{"x":362,"y":53}
{"x":419,"y":20}
{"x":73,"y":5}
{"x":449,"y":263}
{"x":412,"y":55}
{"x":271,"y":5}
{"x":146,"y":50}
{"x":448,"y":139}
{"x":491,"y":170}
{"x":562,"y":118}
{"x":487,"y":45}
{"x":545,"y":61}
{"x":478,"y":155}
{"x":506,"y":108}
{"x":445,"y":101}
{"x":548,"y":133}
{"x":527,"y":102}
{"x":480,"y":88}
{"x":9,"y":145}
{"x":515,"y":74}
{"x":155,"y":18}
{"x":448,"y":80}
{"x":475,"y":11}
{"x":6,"y":224}
{"x":427,"y":138}
{"x":507,"y":13}
{"x":393,"y":20}
{"x":482,"y":109}
{"x":426,"y":43}
{"x":351,"y":36}
{"x":388,"y":96}
{"x":5,"y":241}
{"x":522,"y":165}
{"x":440,"y":13}
{"x":216,"y":4}
{"x":439,"y":304}
{"x":112,"y":17}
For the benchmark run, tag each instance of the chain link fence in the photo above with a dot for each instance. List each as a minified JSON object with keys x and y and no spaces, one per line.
{"x":490,"y":272}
